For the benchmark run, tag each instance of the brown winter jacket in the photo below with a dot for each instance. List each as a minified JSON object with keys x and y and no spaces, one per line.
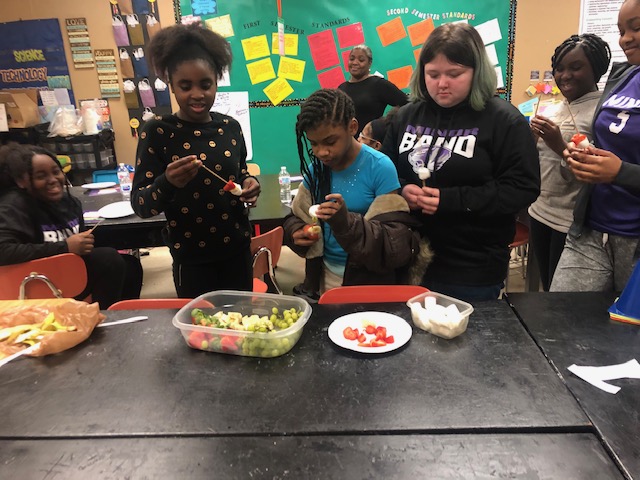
{"x":381,"y":245}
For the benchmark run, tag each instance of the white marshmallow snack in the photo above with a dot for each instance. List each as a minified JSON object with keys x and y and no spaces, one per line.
{"x":423,"y":174}
{"x":313,"y":211}
{"x":233,"y":187}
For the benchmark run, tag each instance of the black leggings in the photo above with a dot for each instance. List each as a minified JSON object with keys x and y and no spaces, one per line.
{"x":233,"y":273}
{"x":547,"y":244}
{"x":111,"y":276}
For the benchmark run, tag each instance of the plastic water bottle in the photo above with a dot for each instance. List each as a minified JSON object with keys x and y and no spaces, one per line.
{"x":284,"y":179}
{"x":124,"y":178}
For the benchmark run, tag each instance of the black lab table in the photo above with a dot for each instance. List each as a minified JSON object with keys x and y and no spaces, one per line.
{"x":575,"y":328}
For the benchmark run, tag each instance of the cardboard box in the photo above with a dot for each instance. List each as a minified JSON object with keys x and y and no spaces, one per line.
{"x":22,"y":108}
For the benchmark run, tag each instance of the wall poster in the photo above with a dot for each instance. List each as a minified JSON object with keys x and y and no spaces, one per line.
{"x":318,"y":37}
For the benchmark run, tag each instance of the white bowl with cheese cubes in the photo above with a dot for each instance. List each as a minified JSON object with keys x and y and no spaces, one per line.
{"x":439,"y":314}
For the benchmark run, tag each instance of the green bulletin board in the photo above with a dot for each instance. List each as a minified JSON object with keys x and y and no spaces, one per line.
{"x":325,"y":32}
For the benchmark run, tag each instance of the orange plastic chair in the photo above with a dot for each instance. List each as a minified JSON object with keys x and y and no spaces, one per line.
{"x":266,"y":250}
{"x":371,"y":294}
{"x":149,"y":303}
{"x":62,"y":276}
{"x":521,"y":242}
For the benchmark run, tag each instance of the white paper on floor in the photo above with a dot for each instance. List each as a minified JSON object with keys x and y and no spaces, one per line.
{"x":596,"y":376}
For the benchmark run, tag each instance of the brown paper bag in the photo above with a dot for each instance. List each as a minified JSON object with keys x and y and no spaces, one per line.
{"x":82,"y":315}
{"x":153,"y":25}
{"x":126,"y":66}
{"x":135,"y":30}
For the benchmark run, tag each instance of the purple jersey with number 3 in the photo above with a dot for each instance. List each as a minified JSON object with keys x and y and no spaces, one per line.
{"x":616,"y":209}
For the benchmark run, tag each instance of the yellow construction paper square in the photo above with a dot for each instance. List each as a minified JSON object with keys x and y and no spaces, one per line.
{"x":278,"y":90}
{"x":221,"y":25}
{"x":291,"y":69}
{"x":261,"y":71}
{"x":255,"y":47}
{"x":290,"y":44}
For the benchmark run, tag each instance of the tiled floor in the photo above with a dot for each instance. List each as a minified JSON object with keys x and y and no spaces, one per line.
{"x":158,"y":281}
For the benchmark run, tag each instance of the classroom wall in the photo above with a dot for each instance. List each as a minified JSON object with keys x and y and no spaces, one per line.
{"x":540,"y":26}
{"x":85,"y":81}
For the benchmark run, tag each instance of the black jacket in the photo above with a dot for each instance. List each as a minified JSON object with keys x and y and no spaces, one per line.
{"x":487,"y":171}
{"x":31,"y":229}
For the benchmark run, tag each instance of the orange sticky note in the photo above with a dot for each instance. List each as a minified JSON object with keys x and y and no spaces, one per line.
{"x":419,"y":32}
{"x":400,"y":76}
{"x":391,"y":31}
{"x":416,"y":54}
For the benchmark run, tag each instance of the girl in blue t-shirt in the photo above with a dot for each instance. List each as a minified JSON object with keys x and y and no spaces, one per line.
{"x":367,"y":235}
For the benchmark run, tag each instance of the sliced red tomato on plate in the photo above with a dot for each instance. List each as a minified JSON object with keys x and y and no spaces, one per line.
{"x":381,"y":333}
{"x":378,"y":343}
{"x":389,"y":339}
{"x":350,"y":334}
{"x":371,"y":329}
{"x":362,"y":338}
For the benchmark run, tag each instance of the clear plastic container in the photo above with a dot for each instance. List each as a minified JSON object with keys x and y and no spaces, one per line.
{"x":241,"y":342}
{"x":438,"y":326}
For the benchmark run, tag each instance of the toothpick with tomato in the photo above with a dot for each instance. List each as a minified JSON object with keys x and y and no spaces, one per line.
{"x":229,"y":186}
{"x":579,"y":140}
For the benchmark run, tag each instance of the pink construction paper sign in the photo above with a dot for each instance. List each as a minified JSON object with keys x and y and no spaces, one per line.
{"x":323,"y":50}
{"x":345,"y":59}
{"x":350,"y":35}
{"x":331,"y":78}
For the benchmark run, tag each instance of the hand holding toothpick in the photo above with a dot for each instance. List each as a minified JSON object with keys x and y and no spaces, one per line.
{"x":229,"y":186}
{"x":96,"y":225}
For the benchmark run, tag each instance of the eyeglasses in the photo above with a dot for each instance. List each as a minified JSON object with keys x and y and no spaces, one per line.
{"x":369,"y":140}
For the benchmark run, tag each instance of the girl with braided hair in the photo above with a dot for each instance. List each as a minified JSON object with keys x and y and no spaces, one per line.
{"x":208,"y":231}
{"x":577,"y":65}
{"x":369,"y":242}
{"x":603,"y":243}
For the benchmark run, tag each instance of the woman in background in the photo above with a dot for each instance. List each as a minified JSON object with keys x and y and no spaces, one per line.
{"x":39,"y":218}
{"x":480,"y":157}
{"x":603,"y":243}
{"x":371,"y":94}
{"x":577,"y":65}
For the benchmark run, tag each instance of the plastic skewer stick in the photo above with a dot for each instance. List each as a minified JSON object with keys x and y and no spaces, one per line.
{"x":214,"y":173}
{"x":96,"y":225}
{"x":537,"y":105}
{"x":573,"y":119}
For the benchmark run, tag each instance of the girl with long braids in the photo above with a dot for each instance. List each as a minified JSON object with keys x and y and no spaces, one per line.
{"x":39,"y":218}
{"x":603,"y":243}
{"x":577,"y":65}
{"x":208,"y":230}
{"x":369,"y":242}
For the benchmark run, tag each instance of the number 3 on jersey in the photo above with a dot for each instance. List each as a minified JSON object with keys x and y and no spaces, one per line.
{"x":623,"y":116}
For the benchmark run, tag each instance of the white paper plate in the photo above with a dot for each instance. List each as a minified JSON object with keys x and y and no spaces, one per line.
{"x":98,"y":185}
{"x":396,"y":327}
{"x":116,"y":210}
